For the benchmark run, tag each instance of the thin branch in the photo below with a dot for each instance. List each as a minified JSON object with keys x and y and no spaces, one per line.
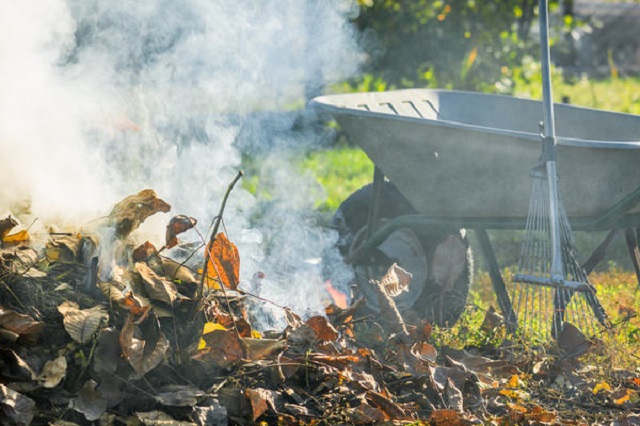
{"x":216,"y":226}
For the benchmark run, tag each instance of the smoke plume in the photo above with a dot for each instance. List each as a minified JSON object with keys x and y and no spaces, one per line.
{"x":101,"y":99}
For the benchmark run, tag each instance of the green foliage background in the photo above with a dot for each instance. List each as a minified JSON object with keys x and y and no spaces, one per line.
{"x":461,"y":44}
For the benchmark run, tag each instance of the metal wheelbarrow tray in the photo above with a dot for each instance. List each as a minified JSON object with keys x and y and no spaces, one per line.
{"x":463,"y":154}
{"x":461,"y":161}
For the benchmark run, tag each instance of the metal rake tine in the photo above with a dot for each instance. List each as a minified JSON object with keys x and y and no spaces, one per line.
{"x":591,"y":326}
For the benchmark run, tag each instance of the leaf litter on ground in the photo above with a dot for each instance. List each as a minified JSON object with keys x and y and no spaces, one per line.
{"x":143,"y":350}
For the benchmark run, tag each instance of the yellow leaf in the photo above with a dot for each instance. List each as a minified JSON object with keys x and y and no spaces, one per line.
{"x":211,"y":326}
{"x":601,"y":386}
{"x":509,"y":393}
{"x":18,"y":237}
{"x":202,"y":344}
{"x":514,"y":382}
{"x":208,"y":328}
{"x":256,"y":334}
{"x":624,"y":397}
{"x":518,"y":408}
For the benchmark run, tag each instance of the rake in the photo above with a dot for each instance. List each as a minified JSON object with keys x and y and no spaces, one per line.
{"x":550,"y":287}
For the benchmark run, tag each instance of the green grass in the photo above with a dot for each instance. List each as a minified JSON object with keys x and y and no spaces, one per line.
{"x":613,"y":349}
{"x":341,"y":171}
{"x":612,"y":94}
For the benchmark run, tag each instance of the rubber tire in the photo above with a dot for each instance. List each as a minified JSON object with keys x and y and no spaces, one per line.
{"x":433,"y":305}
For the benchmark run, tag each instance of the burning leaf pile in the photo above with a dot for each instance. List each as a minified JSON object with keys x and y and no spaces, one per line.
{"x":160,"y":344}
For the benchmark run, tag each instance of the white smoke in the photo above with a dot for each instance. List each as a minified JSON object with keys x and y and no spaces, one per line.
{"x":101,"y":99}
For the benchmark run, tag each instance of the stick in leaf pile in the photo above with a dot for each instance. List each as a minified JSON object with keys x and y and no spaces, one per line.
{"x":212,"y":240}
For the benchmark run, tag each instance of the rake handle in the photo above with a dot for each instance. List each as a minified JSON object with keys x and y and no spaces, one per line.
{"x":545,"y":59}
{"x":549,"y":143}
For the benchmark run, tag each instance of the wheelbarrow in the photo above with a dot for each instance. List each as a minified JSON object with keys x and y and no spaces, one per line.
{"x":449,"y":161}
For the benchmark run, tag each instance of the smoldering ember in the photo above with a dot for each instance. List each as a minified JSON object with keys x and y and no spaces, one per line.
{"x":142,"y":282}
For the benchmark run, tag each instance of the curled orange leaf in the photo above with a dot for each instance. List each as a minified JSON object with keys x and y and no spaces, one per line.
{"x":223,"y":263}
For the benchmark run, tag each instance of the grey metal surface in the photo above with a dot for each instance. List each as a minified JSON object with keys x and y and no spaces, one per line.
{"x":464,"y":154}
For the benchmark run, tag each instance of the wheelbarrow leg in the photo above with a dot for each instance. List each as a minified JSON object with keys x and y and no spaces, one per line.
{"x":496,"y":280}
{"x":634,"y":250}
{"x":600,"y":252}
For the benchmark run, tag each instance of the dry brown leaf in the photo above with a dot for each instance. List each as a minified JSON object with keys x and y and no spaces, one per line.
{"x":365,"y":414}
{"x":411,"y":362}
{"x":210,"y":413}
{"x":396,"y":280}
{"x":53,"y":372}
{"x":6,"y":225}
{"x":293,"y":320}
{"x":263,"y":348}
{"x":480,"y":364}
{"x":458,"y":375}
{"x":297,"y":410}
{"x":453,"y":396}
{"x":177,"y":272}
{"x":64,"y":249}
{"x":158,"y":288}
{"x":324,"y":331}
{"x":143,"y":361}
{"x":425,"y":352}
{"x":223,"y":263}
{"x":22,"y":261}
{"x":128,"y":214}
{"x":16,"y":408}
{"x":177,"y":225}
{"x":81,"y":324}
{"x":90,"y":401}
{"x":224,"y":347}
{"x":150,"y":360}
{"x":135,"y":305}
{"x":572,"y":341}
{"x":425,"y":332}
{"x":126,"y":336}
{"x":539,"y":414}
{"x":7,"y":336}
{"x":142,"y":355}
{"x":179,"y":396}
{"x":229,"y":322}
{"x":341,"y":362}
{"x":112,"y":291}
{"x":261,"y":400}
{"x":449,"y":260}
{"x":159,"y":418}
{"x":143,"y":252}
{"x":23,"y":325}
{"x":492,"y":320}
{"x":446,"y":418}
{"x":13,"y":368}
{"x":390,"y":408}
{"x":107,"y":355}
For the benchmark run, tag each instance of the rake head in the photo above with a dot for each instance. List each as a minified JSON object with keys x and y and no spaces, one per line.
{"x":551,"y":287}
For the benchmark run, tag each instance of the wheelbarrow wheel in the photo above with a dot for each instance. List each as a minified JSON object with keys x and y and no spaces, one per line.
{"x":440,"y":261}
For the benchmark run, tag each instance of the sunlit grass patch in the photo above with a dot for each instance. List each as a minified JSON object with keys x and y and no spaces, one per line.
{"x":341,"y":171}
